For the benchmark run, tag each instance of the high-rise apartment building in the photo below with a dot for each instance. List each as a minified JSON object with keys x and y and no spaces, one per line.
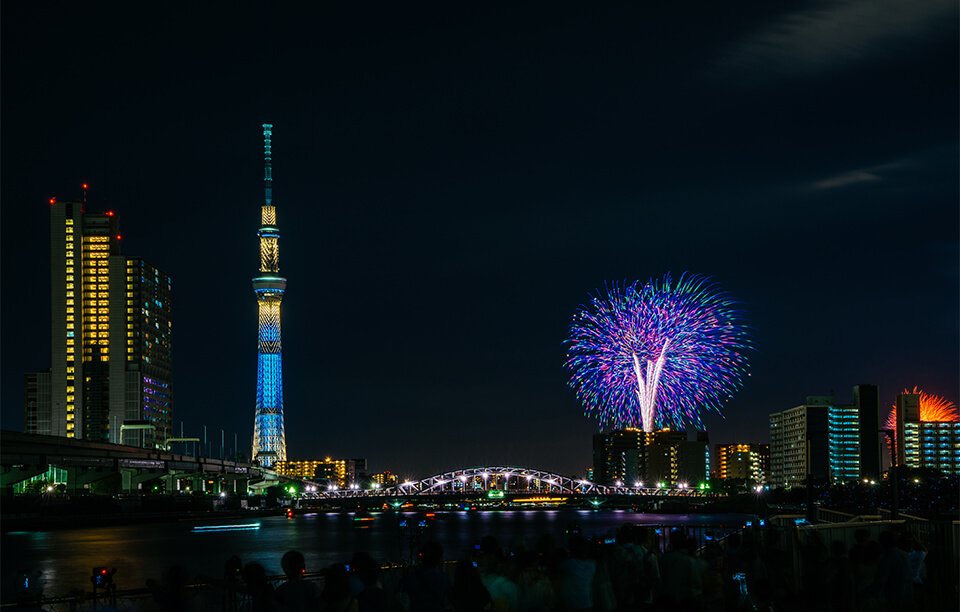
{"x":853,"y":436}
{"x":746,"y":461}
{"x":798,"y":442}
{"x":618,"y":457}
{"x":925,"y":444}
{"x":111,"y":338}
{"x":672,"y":458}
{"x":627,"y":457}
{"x":342,"y":472}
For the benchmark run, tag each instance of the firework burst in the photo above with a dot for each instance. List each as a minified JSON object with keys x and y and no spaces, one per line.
{"x":932,"y":408}
{"x":657,"y":354}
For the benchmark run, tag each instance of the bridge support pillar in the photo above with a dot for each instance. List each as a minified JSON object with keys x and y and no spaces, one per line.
{"x":78,"y":477}
{"x":133,"y":478}
{"x":236,"y":484}
{"x":18,"y":473}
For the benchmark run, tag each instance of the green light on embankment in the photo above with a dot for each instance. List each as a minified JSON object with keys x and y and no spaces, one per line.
{"x":494,"y":494}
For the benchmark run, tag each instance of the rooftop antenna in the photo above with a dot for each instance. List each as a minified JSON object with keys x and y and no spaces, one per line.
{"x":84,"y":195}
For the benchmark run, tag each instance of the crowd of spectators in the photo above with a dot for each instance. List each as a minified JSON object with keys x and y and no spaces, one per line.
{"x":749,"y":570}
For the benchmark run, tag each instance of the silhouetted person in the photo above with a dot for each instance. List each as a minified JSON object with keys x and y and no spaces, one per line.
{"x":893,"y":574}
{"x":427,"y":586}
{"x":839,"y":574}
{"x":297,"y":594}
{"x":680,"y":579}
{"x":576,"y":590}
{"x":260,"y":592}
{"x":372,"y":597}
{"x":468,"y":593}
{"x":336,"y":590}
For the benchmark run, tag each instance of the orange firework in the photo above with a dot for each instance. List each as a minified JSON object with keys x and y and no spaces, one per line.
{"x":932,"y":408}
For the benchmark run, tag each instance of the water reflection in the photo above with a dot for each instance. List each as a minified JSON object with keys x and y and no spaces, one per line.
{"x":67,"y":557}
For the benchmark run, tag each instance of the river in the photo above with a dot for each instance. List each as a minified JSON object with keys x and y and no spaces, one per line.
{"x":66,"y":557}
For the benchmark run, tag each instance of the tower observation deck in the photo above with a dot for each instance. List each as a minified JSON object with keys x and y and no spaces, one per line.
{"x":269,"y":441}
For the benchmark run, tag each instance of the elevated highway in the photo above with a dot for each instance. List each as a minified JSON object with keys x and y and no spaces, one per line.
{"x":24,"y":456}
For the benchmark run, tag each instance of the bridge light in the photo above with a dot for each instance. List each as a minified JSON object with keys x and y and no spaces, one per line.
{"x":659,"y":485}
{"x":619,"y":484}
{"x":637,"y":484}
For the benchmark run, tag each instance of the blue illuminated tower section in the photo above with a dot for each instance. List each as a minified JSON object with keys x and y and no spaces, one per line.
{"x":269,"y":442}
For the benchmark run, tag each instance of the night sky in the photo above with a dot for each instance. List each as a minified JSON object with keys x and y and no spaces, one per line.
{"x":451,"y":184}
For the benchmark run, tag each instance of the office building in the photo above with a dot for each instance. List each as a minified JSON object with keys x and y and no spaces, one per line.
{"x":798,"y":442}
{"x":111,"y":338}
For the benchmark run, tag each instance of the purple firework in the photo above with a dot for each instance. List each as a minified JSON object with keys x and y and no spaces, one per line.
{"x":657,"y":354}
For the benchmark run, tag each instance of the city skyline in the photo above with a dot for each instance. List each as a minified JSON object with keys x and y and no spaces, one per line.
{"x":454,"y":187}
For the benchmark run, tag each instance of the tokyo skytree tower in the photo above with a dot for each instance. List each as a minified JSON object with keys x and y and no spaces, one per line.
{"x":269,"y":442}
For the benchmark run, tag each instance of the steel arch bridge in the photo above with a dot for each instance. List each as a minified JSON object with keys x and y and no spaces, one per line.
{"x":509,"y":479}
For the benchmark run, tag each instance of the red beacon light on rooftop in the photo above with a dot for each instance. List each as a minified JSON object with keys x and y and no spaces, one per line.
{"x":53,"y":200}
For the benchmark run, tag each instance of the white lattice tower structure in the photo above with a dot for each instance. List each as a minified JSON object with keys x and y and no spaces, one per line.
{"x":269,"y":441}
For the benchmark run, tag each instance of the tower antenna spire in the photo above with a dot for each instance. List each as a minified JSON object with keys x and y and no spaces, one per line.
{"x":267,"y":165}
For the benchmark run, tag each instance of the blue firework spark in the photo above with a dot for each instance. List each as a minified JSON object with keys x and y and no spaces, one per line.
{"x":657,"y":354}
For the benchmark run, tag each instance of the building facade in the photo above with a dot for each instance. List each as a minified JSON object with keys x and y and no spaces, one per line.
{"x":672,"y":458}
{"x":853,"y":436}
{"x":798,"y":442}
{"x":111,"y":338}
{"x":340,"y":472}
{"x":631,"y":457}
{"x":925,"y":444}
{"x":746,"y":461}
{"x":618,"y":457}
